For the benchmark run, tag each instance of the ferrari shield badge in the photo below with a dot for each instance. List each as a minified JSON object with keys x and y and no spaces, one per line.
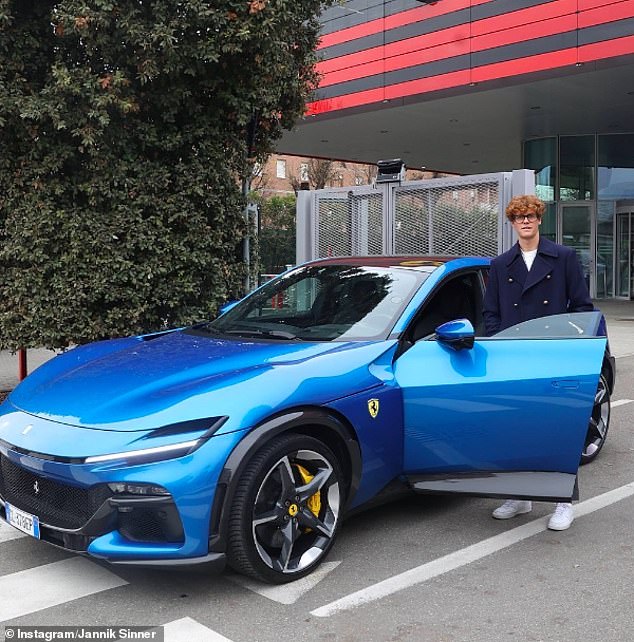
{"x":373,"y":407}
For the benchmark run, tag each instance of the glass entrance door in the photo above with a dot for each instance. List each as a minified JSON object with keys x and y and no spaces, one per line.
{"x":625,"y":255}
{"x":575,"y":230}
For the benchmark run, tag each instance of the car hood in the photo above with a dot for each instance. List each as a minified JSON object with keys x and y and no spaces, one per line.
{"x":145,"y":382}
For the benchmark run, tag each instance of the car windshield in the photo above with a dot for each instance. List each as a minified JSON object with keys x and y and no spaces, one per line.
{"x":328,"y":302}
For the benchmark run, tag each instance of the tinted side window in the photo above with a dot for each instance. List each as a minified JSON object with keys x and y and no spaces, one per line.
{"x":457,"y":298}
{"x":573,"y":325}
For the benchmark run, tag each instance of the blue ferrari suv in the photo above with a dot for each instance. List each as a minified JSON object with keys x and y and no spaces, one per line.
{"x":247,"y":439}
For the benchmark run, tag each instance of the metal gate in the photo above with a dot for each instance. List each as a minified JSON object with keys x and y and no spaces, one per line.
{"x":457,"y":216}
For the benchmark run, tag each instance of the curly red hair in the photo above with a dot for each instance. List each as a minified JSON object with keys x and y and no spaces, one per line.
{"x":526,"y":204}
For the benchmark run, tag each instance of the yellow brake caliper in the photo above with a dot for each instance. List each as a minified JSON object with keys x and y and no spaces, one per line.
{"x":314,"y":501}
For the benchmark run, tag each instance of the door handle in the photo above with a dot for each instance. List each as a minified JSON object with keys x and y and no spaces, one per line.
{"x":565,"y":384}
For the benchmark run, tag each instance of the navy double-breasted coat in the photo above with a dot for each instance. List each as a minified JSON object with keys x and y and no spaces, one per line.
{"x":554,"y":285}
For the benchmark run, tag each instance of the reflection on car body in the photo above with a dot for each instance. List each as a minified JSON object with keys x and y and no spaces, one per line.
{"x":248,"y":438}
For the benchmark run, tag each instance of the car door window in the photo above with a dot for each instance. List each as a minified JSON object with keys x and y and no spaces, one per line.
{"x":572,"y":326}
{"x":457,"y":298}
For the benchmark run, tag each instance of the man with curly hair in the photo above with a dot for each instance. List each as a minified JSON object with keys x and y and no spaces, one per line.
{"x":535,"y":278}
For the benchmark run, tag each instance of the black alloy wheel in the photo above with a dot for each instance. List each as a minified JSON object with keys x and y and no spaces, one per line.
{"x":286,"y":510}
{"x":599,"y":422}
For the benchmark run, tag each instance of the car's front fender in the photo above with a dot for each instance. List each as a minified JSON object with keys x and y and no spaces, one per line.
{"x":322,"y":423}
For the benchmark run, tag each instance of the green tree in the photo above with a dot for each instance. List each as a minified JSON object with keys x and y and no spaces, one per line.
{"x":125,"y":128}
{"x":277,"y":232}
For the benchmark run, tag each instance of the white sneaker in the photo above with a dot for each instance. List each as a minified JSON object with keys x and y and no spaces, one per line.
{"x":561,"y":518}
{"x":511,"y":508}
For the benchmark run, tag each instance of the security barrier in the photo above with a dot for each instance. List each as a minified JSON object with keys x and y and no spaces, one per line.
{"x":456,"y":216}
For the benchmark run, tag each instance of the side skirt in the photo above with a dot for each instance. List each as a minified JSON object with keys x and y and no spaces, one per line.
{"x":538,"y":486}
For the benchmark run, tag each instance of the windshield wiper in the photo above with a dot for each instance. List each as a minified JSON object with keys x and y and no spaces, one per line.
{"x":273,"y":334}
{"x":206,"y":327}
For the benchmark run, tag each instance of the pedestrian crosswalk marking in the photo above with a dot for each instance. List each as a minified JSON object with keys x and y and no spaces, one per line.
{"x":188,"y":630}
{"x":52,"y":584}
{"x":8,"y":533}
{"x":291,"y":592}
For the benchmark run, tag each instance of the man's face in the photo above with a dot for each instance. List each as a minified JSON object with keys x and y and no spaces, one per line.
{"x":526,"y":228}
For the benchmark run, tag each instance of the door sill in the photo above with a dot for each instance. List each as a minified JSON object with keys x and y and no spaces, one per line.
{"x":538,"y":486}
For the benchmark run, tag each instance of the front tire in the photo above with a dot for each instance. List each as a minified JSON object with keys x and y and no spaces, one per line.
{"x":286,"y":510}
{"x":599,"y":422}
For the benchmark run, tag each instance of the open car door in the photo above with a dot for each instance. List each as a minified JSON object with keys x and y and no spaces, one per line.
{"x":502,"y":416}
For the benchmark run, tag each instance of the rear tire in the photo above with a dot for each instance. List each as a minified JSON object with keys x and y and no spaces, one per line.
{"x":599,"y":422}
{"x":286,"y":510}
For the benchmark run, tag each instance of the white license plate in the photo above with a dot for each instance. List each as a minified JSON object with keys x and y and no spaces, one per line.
{"x":23,"y":521}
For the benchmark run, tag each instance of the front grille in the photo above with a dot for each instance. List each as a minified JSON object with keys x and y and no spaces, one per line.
{"x":54,"y":503}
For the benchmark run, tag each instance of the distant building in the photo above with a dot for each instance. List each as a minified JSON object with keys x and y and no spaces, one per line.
{"x":285,"y":174}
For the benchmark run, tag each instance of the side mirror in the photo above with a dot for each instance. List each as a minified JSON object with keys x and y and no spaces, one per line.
{"x":457,"y":335}
{"x":225,"y":307}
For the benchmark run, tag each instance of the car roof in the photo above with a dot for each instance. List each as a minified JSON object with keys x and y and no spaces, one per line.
{"x":395,"y":261}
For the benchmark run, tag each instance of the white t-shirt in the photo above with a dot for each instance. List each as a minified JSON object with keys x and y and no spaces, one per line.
{"x":529,"y":257}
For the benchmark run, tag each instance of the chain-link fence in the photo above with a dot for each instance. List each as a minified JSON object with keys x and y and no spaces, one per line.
{"x":457,"y":216}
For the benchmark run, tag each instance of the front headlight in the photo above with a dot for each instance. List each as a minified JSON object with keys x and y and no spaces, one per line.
{"x":200,"y":429}
{"x":146,"y":455}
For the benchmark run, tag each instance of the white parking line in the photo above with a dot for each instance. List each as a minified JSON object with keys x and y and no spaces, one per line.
{"x":465,"y":556}
{"x":8,"y":533}
{"x":287,"y":593}
{"x":188,"y":630}
{"x":620,"y":402}
{"x":44,"y":586}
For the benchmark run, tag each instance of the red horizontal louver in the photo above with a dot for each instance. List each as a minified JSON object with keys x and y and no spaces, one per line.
{"x":396,"y":20}
{"x":521,"y":66}
{"x":538,"y":13}
{"x":601,"y":15}
{"x":590,"y":4}
{"x":448,"y":50}
{"x":518,"y":26}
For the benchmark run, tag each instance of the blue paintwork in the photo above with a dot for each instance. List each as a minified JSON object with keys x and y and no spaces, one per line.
{"x":178,"y":377}
{"x":458,"y":329}
{"x":503,"y":405}
{"x":494,"y":407}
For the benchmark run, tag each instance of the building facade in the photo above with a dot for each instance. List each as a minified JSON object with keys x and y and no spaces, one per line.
{"x":474,"y":86}
{"x":284,"y":174}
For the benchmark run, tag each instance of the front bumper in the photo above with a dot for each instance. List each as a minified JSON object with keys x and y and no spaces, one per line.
{"x":80,"y":540}
{"x":72,"y":517}
{"x":79,"y":510}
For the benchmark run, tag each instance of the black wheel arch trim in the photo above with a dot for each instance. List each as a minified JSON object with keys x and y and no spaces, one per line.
{"x":297,"y":420}
{"x":608,"y":368}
